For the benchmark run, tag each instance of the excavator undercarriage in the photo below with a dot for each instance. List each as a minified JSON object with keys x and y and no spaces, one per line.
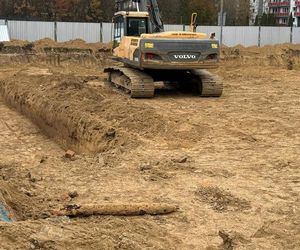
{"x":141,"y":84}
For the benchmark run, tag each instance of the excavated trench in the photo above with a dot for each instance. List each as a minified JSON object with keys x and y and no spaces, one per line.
{"x":53,"y":100}
{"x":55,"y":107}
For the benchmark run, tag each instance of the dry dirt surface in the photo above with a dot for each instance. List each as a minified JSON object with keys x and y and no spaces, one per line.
{"x":230,"y":166}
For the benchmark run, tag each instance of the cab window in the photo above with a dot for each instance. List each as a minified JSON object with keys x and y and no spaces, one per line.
{"x":118,"y":30}
{"x":136,"y":26}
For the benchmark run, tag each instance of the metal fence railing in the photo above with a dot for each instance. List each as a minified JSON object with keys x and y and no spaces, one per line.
{"x":101,"y":32}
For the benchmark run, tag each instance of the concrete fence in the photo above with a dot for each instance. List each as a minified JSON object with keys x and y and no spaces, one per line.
{"x":102,"y":32}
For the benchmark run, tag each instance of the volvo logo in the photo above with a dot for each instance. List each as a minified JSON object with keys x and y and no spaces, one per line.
{"x":185,"y":56}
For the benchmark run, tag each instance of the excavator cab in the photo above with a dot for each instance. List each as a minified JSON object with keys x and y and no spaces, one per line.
{"x":126,"y":24}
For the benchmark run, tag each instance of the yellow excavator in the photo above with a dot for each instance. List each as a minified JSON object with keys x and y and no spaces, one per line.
{"x":147,"y":54}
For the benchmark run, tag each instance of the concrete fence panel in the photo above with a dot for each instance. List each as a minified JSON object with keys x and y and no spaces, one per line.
{"x":95,"y":32}
{"x":30,"y":31}
{"x":4,"y":35}
{"x":89,"y":32}
{"x":246,"y":36}
{"x":171,"y":27}
{"x":275,"y":35}
{"x":2,"y":21}
{"x":107,"y":32}
{"x":296,"y":35}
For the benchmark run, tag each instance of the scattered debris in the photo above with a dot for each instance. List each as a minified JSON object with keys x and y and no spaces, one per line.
{"x":73,"y":194}
{"x":4,"y":215}
{"x":182,"y":159}
{"x":43,"y":159}
{"x":26,"y":192}
{"x":145,"y":167}
{"x":69,"y":154}
{"x":111,"y":133}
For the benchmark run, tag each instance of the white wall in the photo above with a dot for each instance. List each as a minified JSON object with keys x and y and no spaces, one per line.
{"x":275,"y":35}
{"x":296,"y":35}
{"x":107,"y":32}
{"x":246,"y":36}
{"x":91,"y":32}
{"x":30,"y":31}
{"x":168,"y":27}
{"x":4,"y":35}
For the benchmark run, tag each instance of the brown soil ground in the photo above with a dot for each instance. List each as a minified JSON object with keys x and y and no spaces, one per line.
{"x":231,"y":164}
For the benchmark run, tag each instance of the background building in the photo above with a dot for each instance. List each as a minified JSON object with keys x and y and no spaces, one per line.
{"x":285,"y":12}
{"x":296,"y":12}
{"x":258,"y":7}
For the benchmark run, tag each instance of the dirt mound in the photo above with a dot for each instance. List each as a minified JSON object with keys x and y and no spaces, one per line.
{"x":13,"y":203}
{"x":47,"y":51}
{"x":286,"y":55}
{"x":69,"y":122}
{"x":16,"y":192}
{"x":262,"y":51}
{"x":45,"y":45}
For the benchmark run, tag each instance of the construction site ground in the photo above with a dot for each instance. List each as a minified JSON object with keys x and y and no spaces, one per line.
{"x":230,"y":165}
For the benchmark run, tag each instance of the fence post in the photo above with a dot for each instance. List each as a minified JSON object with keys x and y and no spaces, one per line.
{"x":101,"y":32}
{"x":259,"y":36}
{"x":55,"y":31}
{"x":6,"y":23}
{"x":291,"y":35}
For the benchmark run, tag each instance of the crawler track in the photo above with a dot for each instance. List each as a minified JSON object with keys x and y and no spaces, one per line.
{"x":209,"y":85}
{"x":136,"y":83}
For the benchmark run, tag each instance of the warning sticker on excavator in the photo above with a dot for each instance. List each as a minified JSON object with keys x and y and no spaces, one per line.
{"x":149,"y":45}
{"x":214,"y":45}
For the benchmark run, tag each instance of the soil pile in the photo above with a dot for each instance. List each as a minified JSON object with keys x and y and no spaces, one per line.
{"x":286,"y":55}
{"x":45,"y":45}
